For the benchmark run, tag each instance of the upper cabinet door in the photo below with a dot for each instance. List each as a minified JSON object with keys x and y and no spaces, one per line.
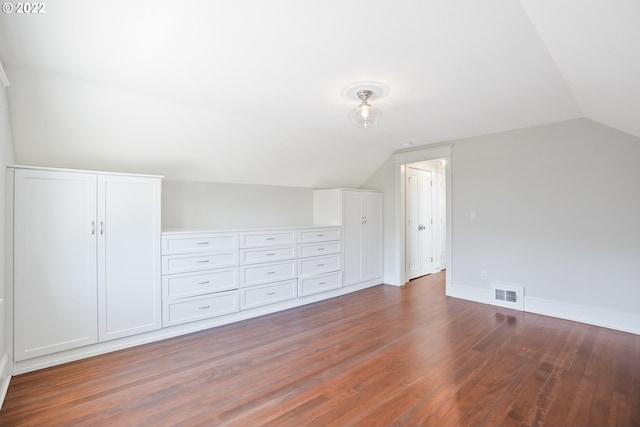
{"x":54,"y":261}
{"x":129,"y":287}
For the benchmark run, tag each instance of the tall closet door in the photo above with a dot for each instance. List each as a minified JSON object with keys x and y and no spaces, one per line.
{"x":353,"y":229}
{"x":55,"y":267}
{"x":373,"y":235}
{"x":128,"y":255}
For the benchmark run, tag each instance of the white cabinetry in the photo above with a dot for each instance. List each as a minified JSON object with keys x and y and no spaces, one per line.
{"x":268,"y":270}
{"x":200,"y":276}
{"x":320,"y":260}
{"x":85,"y":259}
{"x":128,"y":256}
{"x":360,"y":214}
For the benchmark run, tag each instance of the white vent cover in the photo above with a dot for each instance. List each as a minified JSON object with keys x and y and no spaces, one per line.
{"x":509,"y":296}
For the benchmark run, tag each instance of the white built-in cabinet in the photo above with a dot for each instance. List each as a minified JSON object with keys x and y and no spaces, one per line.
{"x":86,"y":258}
{"x":360,"y":214}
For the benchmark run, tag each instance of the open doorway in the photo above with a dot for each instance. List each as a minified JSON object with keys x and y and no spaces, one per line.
{"x":425,"y":218}
{"x":442,"y":245}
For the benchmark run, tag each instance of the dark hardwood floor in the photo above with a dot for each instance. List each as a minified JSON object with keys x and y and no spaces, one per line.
{"x":383,"y":356}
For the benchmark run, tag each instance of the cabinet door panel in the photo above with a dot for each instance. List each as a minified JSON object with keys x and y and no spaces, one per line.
{"x":54,"y":262}
{"x":353,"y":225}
{"x":129,"y":255}
{"x":373,"y":235}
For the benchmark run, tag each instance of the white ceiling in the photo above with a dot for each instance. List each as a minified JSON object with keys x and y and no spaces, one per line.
{"x":248,"y":91}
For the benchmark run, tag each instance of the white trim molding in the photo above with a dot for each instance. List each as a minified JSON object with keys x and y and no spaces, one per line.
{"x":625,"y":322}
{"x":5,"y":377}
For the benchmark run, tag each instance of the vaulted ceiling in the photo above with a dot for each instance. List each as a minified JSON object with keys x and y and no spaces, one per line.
{"x":249,"y":91}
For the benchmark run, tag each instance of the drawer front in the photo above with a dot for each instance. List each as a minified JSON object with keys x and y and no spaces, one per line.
{"x":202,"y":308}
{"x":316,"y":284}
{"x":315,"y":249}
{"x":186,"y":243}
{"x":248,"y":240}
{"x":318,"y":235}
{"x":257,"y":296}
{"x":317,"y":265}
{"x":183,"y":264}
{"x":265,"y":273}
{"x":258,"y":255}
{"x":188,"y":285}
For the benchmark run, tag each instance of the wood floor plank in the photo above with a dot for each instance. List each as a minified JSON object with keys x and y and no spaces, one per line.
{"x":384,"y":356}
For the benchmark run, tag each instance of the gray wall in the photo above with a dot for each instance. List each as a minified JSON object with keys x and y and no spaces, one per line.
{"x":557,"y":210}
{"x":200,"y":205}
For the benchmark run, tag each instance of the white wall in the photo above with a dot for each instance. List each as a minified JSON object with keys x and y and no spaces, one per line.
{"x":200,"y":205}
{"x":557,"y":209}
{"x":6,"y":157}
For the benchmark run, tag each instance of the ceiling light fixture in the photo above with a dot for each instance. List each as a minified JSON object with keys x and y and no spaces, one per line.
{"x":365,"y":115}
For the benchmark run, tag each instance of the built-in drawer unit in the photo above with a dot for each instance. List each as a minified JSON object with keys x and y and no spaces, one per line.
{"x":319,"y":235}
{"x":267,"y":238}
{"x":196,"y":262}
{"x":201,"y":242}
{"x":260,"y":255}
{"x":207,"y":274}
{"x":198,"y":308}
{"x":191,"y":284}
{"x":318,"y":265}
{"x":257,"y":296}
{"x":257,"y":274}
{"x":200,"y":276}
{"x":320,"y":283}
{"x":316,"y":249}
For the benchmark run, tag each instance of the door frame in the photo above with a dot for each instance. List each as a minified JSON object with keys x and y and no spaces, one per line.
{"x":401,"y":159}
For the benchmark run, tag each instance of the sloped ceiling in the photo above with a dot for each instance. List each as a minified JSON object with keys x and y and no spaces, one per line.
{"x":249,"y":91}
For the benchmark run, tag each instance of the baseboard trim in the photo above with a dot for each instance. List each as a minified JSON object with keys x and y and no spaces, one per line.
{"x":392,"y":279}
{"x":5,"y":378}
{"x":593,"y":316}
{"x":624,"y":322}
{"x":468,"y":293}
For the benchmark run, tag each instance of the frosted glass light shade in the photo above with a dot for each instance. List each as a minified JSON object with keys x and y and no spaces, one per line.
{"x":365,"y":116}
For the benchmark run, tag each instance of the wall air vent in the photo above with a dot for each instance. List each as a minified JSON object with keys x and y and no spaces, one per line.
{"x":509,"y":296}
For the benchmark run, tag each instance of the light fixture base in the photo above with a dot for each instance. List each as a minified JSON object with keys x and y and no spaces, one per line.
{"x":377,"y":91}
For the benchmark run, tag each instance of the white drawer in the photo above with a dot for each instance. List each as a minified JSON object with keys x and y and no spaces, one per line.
{"x":267,"y":238}
{"x":316,"y":284}
{"x":186,"y":243}
{"x":258,"y":255}
{"x":186,"y":263}
{"x":264,"y":273}
{"x":314,"y":249}
{"x":317,"y":265}
{"x":257,"y":296}
{"x":188,"y":285}
{"x":202,"y":307}
{"x":318,"y":235}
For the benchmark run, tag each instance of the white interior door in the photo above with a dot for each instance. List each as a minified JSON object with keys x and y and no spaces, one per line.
{"x":412,"y":252}
{"x":425,"y":221}
{"x":441,"y":262}
{"x":419,"y":223}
